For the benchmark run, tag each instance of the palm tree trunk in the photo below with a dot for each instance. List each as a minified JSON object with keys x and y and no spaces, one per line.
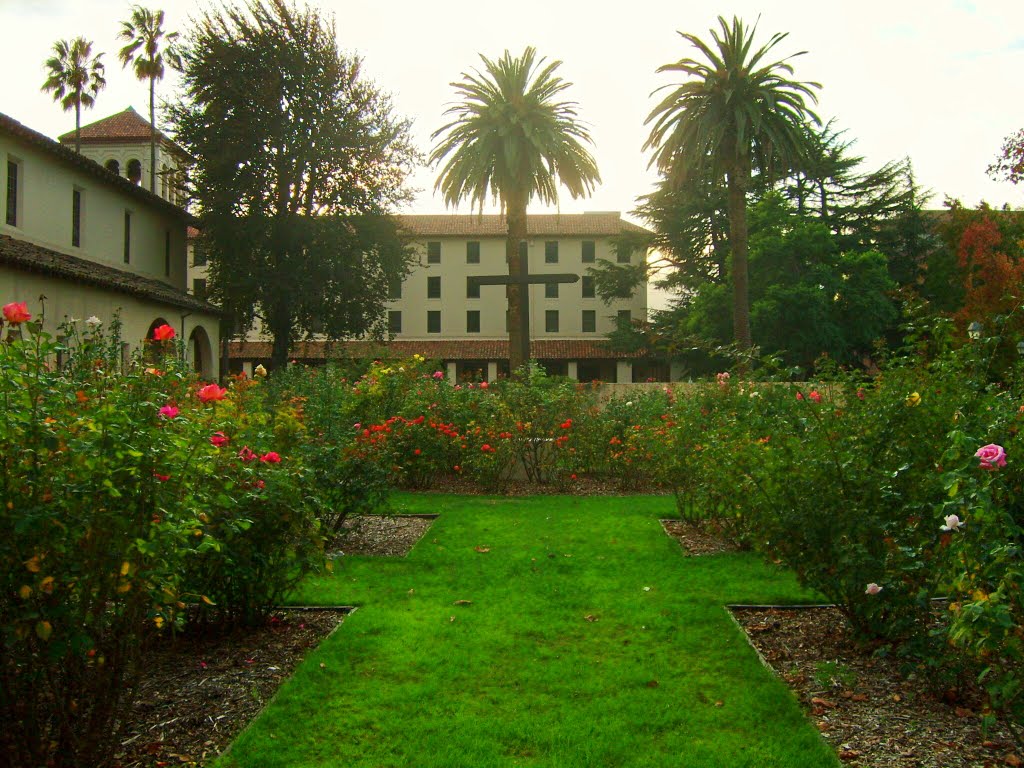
{"x":518,"y":296}
{"x":738,"y":180}
{"x":152,"y":137}
{"x":78,"y":127}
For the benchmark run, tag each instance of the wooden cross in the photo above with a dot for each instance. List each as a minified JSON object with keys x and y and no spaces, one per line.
{"x":524,"y":280}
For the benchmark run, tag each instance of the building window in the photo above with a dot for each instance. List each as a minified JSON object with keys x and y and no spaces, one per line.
{"x":76,"y":218}
{"x":113,"y":166}
{"x":13,"y":168}
{"x":550,"y":290}
{"x":625,"y":317}
{"x":395,"y":288}
{"x":588,"y":287}
{"x":473,"y":321}
{"x":434,"y":253}
{"x":588,"y":251}
{"x":198,"y":254}
{"x":473,"y":252}
{"x":589,"y":320}
{"x":434,"y":287}
{"x":127,"y":237}
{"x":394,"y":321}
{"x":434,"y":321}
{"x":199,"y":288}
{"x":472,"y":289}
{"x":551,"y":320}
{"x":134,"y":171}
{"x":167,"y":253}
{"x":622,"y":255}
{"x":551,"y":252}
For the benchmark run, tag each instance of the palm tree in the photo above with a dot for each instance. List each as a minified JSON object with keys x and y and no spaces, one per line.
{"x":144,"y":33}
{"x":736,"y":114}
{"x":510,"y":139}
{"x":75,"y":78}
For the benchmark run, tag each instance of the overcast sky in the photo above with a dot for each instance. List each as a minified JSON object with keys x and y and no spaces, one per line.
{"x":940,"y":81}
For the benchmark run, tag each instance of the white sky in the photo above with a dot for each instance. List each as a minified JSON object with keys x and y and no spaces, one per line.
{"x":941,"y":82}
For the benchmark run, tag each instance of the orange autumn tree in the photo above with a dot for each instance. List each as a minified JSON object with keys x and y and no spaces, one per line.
{"x":992,"y":278}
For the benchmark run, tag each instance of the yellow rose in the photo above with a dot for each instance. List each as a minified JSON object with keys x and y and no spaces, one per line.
{"x":913,"y":399}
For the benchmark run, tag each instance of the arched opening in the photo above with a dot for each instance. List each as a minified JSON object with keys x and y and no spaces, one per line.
{"x":134,"y":171}
{"x":200,"y":352}
{"x":113,"y":166}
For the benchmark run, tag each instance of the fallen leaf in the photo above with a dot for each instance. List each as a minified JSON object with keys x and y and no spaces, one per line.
{"x":451,"y":619}
{"x":411,"y":591}
{"x":590,"y":617}
{"x":963,"y":712}
{"x":652,"y":683}
{"x":848,"y":754}
{"x":897,"y":698}
{"x":482,"y":550}
{"x":818,"y":701}
{"x":322,"y":665}
{"x":719,"y":703}
{"x":463,"y":602}
{"x":859,"y":697}
{"x":1012,"y":760}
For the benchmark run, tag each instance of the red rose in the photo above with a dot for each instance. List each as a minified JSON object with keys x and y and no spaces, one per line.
{"x":218,"y":440}
{"x":246,"y":454}
{"x":163,"y":333}
{"x":270,"y":457}
{"x":211,"y":392}
{"x":16,"y":313}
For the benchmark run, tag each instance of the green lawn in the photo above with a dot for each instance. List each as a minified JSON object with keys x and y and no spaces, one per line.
{"x":660,"y":677}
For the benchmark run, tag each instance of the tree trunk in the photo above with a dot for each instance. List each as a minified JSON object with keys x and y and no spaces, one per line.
{"x":78,"y":127}
{"x":152,"y":136}
{"x":280,"y":327}
{"x":518,"y":298}
{"x":738,"y":180}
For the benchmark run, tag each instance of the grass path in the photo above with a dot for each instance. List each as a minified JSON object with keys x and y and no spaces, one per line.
{"x":658,"y":676}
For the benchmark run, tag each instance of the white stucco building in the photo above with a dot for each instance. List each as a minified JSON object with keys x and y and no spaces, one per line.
{"x":94,"y":243}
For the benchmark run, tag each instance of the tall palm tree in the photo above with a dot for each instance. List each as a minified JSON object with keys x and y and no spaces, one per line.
{"x":148,"y":49}
{"x":510,"y":139}
{"x":737,"y":113}
{"x":75,"y":78}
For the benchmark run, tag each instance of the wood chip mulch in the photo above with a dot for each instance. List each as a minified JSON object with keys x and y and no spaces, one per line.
{"x":698,"y":538}
{"x":388,"y":535}
{"x":197,"y":693}
{"x":873,"y":715}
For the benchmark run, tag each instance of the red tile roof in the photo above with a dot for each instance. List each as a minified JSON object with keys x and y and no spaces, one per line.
{"x":122,"y":127}
{"x":29,"y":257}
{"x":601,"y":224}
{"x":462,"y":349}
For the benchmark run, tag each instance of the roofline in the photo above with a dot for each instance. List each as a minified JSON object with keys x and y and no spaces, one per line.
{"x":36,"y":139}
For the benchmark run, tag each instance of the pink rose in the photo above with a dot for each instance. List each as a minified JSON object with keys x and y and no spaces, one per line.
{"x":16,"y":313}
{"x":953,"y":523}
{"x":815,"y":396}
{"x":210,"y":393}
{"x":270,"y":457}
{"x":168,"y":412}
{"x":218,"y":440}
{"x":484,"y":385}
{"x":872,"y":589}
{"x":438,"y":375}
{"x":246,"y":454}
{"x":991,"y":456}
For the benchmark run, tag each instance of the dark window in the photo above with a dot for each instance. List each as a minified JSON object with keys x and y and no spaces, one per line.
{"x":167,"y":253}
{"x":199,"y":288}
{"x":473,"y":321}
{"x":588,"y":251}
{"x":625,"y":317}
{"x":127,"y":237}
{"x":473,"y":252}
{"x":588,"y":287}
{"x":550,"y":290}
{"x":622,"y":255}
{"x":433,"y":253}
{"x":198,"y":254}
{"x":434,"y":321}
{"x":551,"y":252}
{"x":395,"y":288}
{"x":472,"y":289}
{"x":394,"y":321}
{"x":113,"y":166}
{"x":134,"y":171}
{"x":434,"y":287}
{"x":551,"y":320}
{"x":76,"y":218}
{"x":589,"y":320}
{"x":12,"y":193}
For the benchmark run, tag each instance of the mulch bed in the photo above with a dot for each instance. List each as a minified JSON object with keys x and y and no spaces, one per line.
{"x":873,"y":716}
{"x":698,"y":538}
{"x":198,"y":693}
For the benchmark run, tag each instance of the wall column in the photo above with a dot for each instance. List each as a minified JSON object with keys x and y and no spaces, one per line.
{"x":572,"y":370}
{"x":247,"y":369}
{"x":623,"y":372}
{"x":675,"y":371}
{"x":453,"y":373}
{"x":492,"y":370}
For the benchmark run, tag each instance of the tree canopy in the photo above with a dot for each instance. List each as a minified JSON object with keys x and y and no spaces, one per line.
{"x":299,"y":160}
